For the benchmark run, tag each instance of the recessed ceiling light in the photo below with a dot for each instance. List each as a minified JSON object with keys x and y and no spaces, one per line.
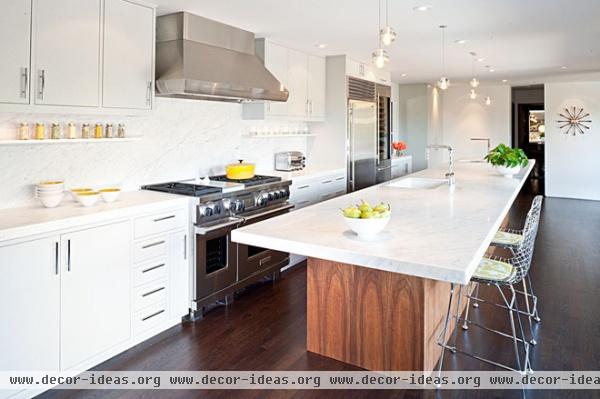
{"x":461,"y":41}
{"x":321,"y":45}
{"x":422,"y":8}
{"x":563,"y":67}
{"x":491,"y":70}
{"x":480,"y":59}
{"x":404,"y":75}
{"x":504,"y":80}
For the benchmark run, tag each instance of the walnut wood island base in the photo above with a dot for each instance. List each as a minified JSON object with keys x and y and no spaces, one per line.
{"x":374,"y":319}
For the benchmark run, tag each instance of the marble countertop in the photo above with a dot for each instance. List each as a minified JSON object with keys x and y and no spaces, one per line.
{"x":25,"y":221}
{"x":439,"y":233}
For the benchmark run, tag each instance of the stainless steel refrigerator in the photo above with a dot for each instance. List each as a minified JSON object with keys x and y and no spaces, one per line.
{"x":369,"y":137}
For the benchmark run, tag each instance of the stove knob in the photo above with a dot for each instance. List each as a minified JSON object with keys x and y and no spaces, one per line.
{"x":217,"y":209}
{"x":207,"y":211}
{"x":270,"y":196}
{"x":241,"y":206}
{"x":286,"y":193}
{"x":276,"y":194}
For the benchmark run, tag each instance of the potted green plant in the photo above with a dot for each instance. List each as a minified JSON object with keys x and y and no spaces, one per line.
{"x":507,"y":161}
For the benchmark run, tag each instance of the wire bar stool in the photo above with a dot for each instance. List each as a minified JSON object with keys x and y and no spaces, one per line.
{"x":512,"y":239}
{"x":499,"y":272}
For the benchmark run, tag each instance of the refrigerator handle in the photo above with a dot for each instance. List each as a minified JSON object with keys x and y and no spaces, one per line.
{"x":377,"y":138}
{"x":350,"y":149}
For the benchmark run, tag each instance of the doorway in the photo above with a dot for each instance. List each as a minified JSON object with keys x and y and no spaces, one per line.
{"x":529,"y":127}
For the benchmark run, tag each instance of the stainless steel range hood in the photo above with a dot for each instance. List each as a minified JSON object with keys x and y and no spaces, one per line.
{"x":198,"y":58}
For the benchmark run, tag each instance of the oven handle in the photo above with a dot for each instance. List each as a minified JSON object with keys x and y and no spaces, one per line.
{"x":270,"y":211}
{"x":205,"y":230}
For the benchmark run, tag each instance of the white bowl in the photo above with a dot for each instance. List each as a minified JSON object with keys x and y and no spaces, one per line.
{"x":507,"y":171}
{"x":51,"y":185}
{"x":110,"y":194}
{"x":77,"y":190}
{"x":367,"y":227}
{"x":51,"y":201}
{"x":45,"y":194}
{"x":88,"y":198}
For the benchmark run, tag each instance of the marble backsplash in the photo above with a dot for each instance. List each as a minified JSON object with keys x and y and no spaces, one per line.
{"x":181,"y":139}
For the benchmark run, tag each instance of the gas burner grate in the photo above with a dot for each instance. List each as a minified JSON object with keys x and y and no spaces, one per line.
{"x":193,"y":190}
{"x":256,"y":180}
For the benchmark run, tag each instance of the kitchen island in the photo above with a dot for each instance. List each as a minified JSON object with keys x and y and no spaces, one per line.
{"x":379,"y":303}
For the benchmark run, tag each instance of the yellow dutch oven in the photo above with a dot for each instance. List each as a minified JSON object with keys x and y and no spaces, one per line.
{"x":240,"y":171}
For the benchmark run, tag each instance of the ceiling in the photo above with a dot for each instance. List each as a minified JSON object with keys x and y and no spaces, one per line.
{"x":519,"y":39}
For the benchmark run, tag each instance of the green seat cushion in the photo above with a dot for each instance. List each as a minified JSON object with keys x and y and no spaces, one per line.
{"x":504,"y":238}
{"x":494,"y":270}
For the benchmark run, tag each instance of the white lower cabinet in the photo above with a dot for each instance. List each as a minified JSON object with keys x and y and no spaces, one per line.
{"x":179,"y":273}
{"x":94,"y":296}
{"x":309,"y":190}
{"x":401,"y":166}
{"x":30,"y":305}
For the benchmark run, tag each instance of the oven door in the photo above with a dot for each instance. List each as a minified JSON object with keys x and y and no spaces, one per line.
{"x":216,"y":258}
{"x":253,"y":259}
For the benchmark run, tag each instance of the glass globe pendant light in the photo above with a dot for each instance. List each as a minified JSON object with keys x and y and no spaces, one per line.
{"x":488,"y":101}
{"x":387,"y":35}
{"x":444,"y":82}
{"x":474,"y":83}
{"x":380,"y":57}
{"x":472,"y":94}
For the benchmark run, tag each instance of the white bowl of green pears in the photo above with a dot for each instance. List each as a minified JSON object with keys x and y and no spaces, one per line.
{"x":367,"y":221}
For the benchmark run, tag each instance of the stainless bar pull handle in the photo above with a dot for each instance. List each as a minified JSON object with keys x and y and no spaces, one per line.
{"x":68,"y":255}
{"x":327,"y":182}
{"x":154,"y":244}
{"x":41,"y":83}
{"x":164,"y":218}
{"x":153,"y":315}
{"x":149,"y":94}
{"x":185,"y":247}
{"x":153,"y":292}
{"x":303,"y":187}
{"x":264,"y":260}
{"x":153,"y":268}
{"x":24,"y":82}
{"x":56,"y":266}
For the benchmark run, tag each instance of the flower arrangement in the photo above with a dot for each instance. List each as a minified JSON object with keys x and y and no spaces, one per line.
{"x":399,"y":147}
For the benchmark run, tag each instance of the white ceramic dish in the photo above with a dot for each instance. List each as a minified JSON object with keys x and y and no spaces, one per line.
{"x":75,"y":191}
{"x":88,"y":198}
{"x":367,"y":228}
{"x":51,"y":185}
{"x":110,"y":194}
{"x":51,"y":201}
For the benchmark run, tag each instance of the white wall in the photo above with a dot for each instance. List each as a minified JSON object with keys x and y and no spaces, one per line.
{"x":411,"y":124}
{"x":464,"y":119}
{"x":181,"y":139}
{"x":572,"y":162}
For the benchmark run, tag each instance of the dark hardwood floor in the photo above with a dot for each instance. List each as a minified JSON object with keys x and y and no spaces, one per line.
{"x":265,"y":329}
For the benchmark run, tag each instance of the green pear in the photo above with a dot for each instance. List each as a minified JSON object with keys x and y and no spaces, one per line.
{"x":365,"y":207}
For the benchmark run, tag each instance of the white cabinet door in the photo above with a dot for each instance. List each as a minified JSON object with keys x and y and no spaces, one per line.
{"x":276,"y":61}
{"x":30,"y":305}
{"x":128,"y":48}
{"x":67,"y":52}
{"x":297,"y":77}
{"x":316,"y":87}
{"x":15,"y":27}
{"x":179,"y":274}
{"x":95,"y":291}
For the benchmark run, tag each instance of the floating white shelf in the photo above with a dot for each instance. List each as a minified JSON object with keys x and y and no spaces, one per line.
{"x":277,"y":136}
{"x":66,"y":141}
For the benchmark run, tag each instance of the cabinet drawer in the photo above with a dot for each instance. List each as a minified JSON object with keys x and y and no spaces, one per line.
{"x":159,"y":223}
{"x":150,"y":294}
{"x":148,"y":249}
{"x":302,"y":203}
{"x":150,"y":271}
{"x":149,"y":317}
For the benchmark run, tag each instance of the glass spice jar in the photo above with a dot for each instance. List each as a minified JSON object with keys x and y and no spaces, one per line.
{"x":40,"y":131}
{"x":23,"y":131}
{"x":121,"y":131}
{"x":98,"y":131}
{"x":108,"y":133}
{"x":71,"y":131}
{"x":55,"y":132}
{"x":85,"y":131}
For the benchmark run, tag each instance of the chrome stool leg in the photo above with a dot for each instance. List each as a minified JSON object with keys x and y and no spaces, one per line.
{"x":475,"y":303}
{"x":512,"y":324}
{"x":465,"y":326}
{"x":532,"y":341}
{"x":535,"y":312}
{"x":458,"y":312}
{"x":442,"y":339}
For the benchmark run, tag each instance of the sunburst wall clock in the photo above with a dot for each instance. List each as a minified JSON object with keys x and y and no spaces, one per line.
{"x":573,"y":121}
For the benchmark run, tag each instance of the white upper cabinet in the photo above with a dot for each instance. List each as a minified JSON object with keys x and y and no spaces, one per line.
{"x":128,"y":55}
{"x":302,"y":74}
{"x":30,"y":293}
{"x":275,"y":58}
{"x":316,"y":87}
{"x":15,"y":27}
{"x":67,"y":52}
{"x":297,"y":78}
{"x":95,"y":291}
{"x":368,"y":72}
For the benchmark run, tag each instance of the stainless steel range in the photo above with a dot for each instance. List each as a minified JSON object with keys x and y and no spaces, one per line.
{"x":220,"y":206}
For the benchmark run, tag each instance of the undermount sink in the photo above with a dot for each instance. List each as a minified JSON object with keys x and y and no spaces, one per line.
{"x":418,"y":182}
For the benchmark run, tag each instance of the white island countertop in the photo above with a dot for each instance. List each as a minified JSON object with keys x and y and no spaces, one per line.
{"x":439,"y":233}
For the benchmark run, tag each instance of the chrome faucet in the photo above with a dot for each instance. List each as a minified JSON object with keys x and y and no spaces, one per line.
{"x":450,"y":173}
{"x":489,"y":146}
